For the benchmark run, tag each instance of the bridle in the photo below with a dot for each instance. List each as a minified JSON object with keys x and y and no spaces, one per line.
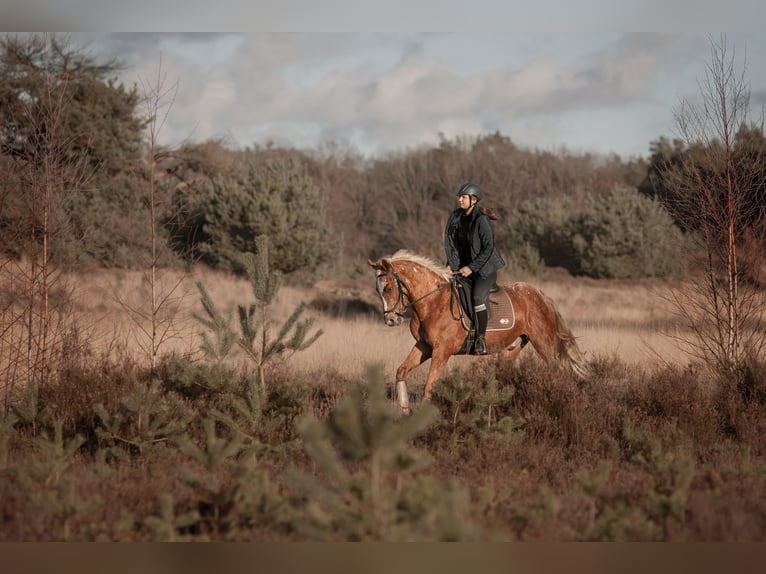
{"x":401,"y":287}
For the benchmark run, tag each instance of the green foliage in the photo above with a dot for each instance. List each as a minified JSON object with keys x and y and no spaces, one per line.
{"x":99,"y":116}
{"x":224,"y":476}
{"x":146,"y":419}
{"x":56,"y":451}
{"x":656,"y":460}
{"x":47,"y":477}
{"x":672,"y":469}
{"x":621,"y":234}
{"x":256,"y":339}
{"x":626,"y":236}
{"x":59,"y":106}
{"x":243,"y":411}
{"x":686,"y":176}
{"x":165,"y":524}
{"x":536,"y":234}
{"x":219,"y":341}
{"x":29,"y":412}
{"x":193,"y":380}
{"x":483,"y":411}
{"x":369,"y":489}
{"x":105,"y":218}
{"x":278,"y":199}
{"x":524,"y":259}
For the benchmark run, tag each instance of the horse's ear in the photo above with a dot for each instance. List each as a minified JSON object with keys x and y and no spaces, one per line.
{"x":385,"y":266}
{"x":372,"y":264}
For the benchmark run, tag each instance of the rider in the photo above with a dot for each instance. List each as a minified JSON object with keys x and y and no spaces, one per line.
{"x":470,"y":246}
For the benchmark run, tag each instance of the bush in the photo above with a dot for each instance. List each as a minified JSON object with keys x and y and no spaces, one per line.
{"x":536,"y":236}
{"x":506,"y":451}
{"x":626,"y":236}
{"x":622,"y":235}
{"x":278,"y":199}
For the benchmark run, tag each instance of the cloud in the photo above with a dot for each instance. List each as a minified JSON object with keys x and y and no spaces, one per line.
{"x":389,"y":91}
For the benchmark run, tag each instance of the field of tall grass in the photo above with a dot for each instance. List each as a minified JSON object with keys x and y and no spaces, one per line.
{"x":627,"y":320}
{"x":651,"y":447}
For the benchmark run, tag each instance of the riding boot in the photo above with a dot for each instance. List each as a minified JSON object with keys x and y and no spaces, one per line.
{"x":480,"y":345}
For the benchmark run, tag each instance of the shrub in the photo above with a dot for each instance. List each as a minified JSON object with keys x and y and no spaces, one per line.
{"x":280,"y":200}
{"x":536,"y":235}
{"x":626,"y":236}
{"x":622,"y":235}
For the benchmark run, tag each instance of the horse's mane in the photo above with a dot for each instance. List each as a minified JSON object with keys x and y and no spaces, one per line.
{"x":406,"y":255}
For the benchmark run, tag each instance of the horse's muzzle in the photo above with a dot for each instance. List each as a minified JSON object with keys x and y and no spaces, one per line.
{"x":392,"y":319}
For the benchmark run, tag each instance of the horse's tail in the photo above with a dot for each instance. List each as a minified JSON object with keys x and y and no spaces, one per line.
{"x":567,"y":349}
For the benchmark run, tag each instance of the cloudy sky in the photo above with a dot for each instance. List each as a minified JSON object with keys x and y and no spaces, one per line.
{"x":395,"y":89}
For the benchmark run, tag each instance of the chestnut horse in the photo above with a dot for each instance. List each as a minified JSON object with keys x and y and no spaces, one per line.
{"x":409,"y":282}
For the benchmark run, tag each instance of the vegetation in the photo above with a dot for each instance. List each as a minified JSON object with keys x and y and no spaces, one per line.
{"x":715,"y":187}
{"x":112,"y":452}
{"x":96,"y":445}
{"x":256,"y":323}
{"x":622,"y":235}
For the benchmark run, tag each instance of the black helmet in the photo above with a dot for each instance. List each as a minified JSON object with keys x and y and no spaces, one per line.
{"x":469,"y":189}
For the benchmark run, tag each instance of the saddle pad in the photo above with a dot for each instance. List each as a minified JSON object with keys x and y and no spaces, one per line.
{"x":501,"y":314}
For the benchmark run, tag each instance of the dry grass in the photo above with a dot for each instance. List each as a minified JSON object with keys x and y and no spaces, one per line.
{"x":629,"y":320}
{"x":626,"y":320}
{"x":642,"y":451}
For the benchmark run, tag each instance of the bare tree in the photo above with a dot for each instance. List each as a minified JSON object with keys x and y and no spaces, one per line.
{"x":156,"y":320}
{"x":45,"y":170}
{"x":716,"y":194}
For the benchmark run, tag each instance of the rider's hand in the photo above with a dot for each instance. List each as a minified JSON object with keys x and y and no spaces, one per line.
{"x":465,"y":271}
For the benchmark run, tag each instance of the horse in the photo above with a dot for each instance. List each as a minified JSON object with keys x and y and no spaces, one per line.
{"x":408,"y":283}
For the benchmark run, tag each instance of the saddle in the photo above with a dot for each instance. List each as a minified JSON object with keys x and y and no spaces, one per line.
{"x":501,"y":315}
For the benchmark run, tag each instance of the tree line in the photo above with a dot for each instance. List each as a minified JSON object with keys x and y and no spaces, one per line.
{"x":326,"y":210}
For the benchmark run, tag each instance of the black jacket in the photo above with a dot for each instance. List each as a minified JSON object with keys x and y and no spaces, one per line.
{"x":484,"y":256}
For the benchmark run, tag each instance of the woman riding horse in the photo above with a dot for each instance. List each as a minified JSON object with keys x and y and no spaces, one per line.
{"x":470,"y":246}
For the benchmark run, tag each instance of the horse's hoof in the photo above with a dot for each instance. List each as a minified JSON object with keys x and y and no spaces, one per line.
{"x":406,"y":411}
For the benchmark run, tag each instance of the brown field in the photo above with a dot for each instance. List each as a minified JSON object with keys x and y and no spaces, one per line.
{"x":649,"y":448}
{"x":629,"y":321}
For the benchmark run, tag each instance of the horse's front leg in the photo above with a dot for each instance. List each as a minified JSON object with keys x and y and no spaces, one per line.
{"x":419,"y":353}
{"x":439,"y":360}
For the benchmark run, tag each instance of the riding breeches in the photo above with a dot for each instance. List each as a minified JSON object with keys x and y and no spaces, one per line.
{"x":480,"y":290}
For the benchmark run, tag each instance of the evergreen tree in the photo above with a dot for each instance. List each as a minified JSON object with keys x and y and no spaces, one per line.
{"x":278,"y":199}
{"x":100,"y":133}
{"x":626,"y":236}
{"x":257,"y":338}
{"x":370,"y":488}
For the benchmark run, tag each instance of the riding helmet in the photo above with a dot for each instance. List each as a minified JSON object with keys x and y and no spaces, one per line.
{"x":469,"y":189}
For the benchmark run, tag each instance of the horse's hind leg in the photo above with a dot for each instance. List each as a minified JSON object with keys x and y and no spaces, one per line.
{"x":511,"y":352}
{"x":419,"y":353}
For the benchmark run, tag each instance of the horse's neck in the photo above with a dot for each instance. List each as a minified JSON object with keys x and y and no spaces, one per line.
{"x":422,"y":280}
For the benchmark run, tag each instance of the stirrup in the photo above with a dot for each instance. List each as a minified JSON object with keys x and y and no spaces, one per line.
{"x":467,"y":347}
{"x":480,"y":346}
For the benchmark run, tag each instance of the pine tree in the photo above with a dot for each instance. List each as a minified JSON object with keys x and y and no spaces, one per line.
{"x":257,"y":339}
{"x":221,"y":342}
{"x":227,"y":212}
{"x":370,"y":486}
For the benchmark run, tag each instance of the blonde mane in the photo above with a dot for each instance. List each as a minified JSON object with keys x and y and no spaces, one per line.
{"x":406,"y":255}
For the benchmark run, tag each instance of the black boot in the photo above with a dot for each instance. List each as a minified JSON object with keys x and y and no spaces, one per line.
{"x":480,"y":346}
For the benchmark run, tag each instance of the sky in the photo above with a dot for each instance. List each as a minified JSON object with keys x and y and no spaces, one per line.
{"x":388,"y":86}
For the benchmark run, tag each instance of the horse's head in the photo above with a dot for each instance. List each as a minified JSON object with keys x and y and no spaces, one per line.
{"x":392,"y":292}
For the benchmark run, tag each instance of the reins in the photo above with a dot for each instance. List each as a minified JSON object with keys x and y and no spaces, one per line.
{"x":400,"y":284}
